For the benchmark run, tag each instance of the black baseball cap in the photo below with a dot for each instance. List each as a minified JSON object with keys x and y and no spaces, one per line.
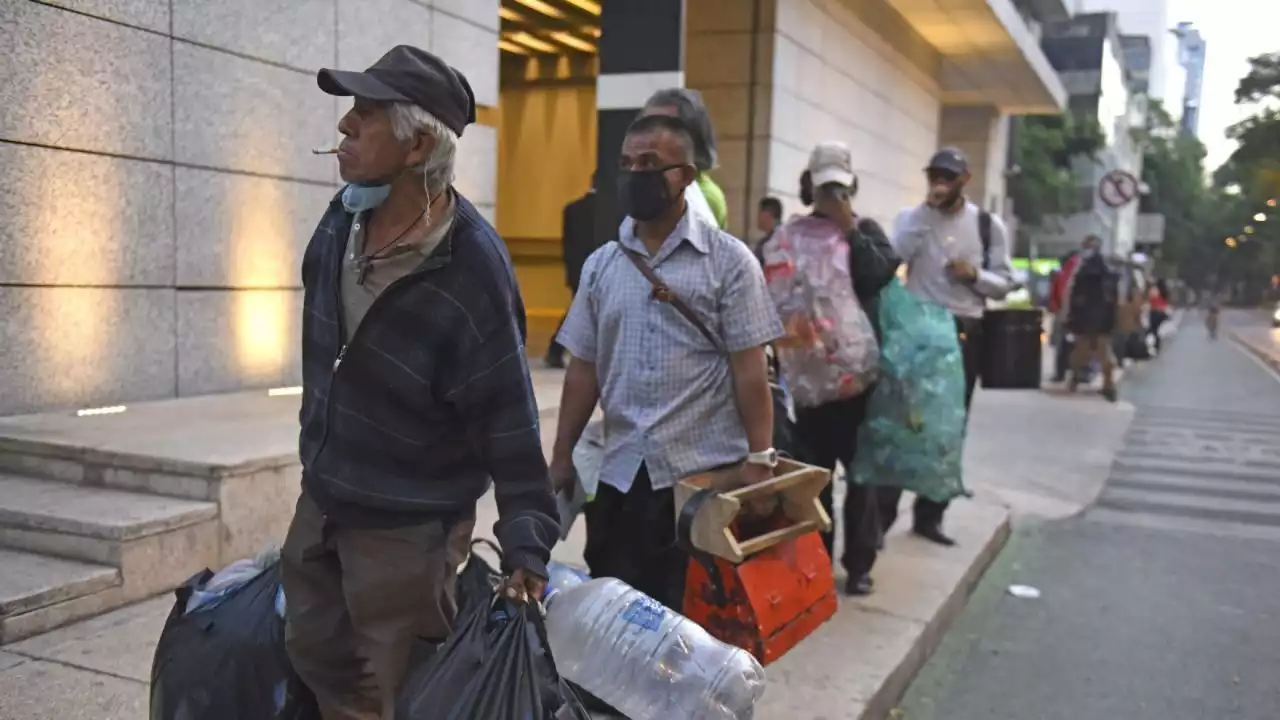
{"x":408,"y":74}
{"x":949,"y":159}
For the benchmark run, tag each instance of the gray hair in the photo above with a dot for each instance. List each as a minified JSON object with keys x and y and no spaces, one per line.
{"x":690,"y":108}
{"x":407,"y":120}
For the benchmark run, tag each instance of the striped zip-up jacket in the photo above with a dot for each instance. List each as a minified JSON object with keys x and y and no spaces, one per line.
{"x":431,"y":399}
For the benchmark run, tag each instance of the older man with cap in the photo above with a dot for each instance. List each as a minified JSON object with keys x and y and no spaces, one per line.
{"x":416,"y":395}
{"x":957,"y":255}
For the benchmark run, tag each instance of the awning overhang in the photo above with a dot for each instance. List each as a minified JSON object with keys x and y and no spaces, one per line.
{"x":990,"y":55}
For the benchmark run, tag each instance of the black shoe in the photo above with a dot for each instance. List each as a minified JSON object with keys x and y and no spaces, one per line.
{"x":933,"y":533}
{"x":1110,"y":394}
{"x":555,"y":362}
{"x":860,"y":586}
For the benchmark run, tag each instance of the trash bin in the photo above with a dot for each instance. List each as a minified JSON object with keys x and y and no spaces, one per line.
{"x":1011,"y":347}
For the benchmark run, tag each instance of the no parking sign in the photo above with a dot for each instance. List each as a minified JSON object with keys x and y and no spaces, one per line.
{"x":1118,"y":188}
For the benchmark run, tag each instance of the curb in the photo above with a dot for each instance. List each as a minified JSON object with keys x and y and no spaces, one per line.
{"x":1267,"y":358}
{"x":884,"y":701}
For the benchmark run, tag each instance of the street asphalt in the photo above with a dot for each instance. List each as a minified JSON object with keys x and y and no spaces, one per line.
{"x":1162,"y":600}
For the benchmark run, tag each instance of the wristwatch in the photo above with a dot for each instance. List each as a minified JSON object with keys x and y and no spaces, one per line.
{"x":767,"y":458}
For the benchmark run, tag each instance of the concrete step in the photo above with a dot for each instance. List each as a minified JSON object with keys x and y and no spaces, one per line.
{"x":39,"y":593}
{"x":155,"y":542}
{"x":106,"y":467}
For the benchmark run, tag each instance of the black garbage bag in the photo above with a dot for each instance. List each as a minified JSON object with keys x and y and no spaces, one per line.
{"x":478,"y":580}
{"x":228,"y":660}
{"x":496,"y":665}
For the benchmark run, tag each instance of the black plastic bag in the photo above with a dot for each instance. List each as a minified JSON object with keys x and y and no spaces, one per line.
{"x":478,"y":580}
{"x":1136,"y":347}
{"x":228,"y":660}
{"x":496,"y":665}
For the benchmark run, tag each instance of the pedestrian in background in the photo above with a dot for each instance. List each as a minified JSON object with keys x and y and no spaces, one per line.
{"x":1059,"y":292}
{"x":957,"y":256}
{"x":1212,"y":316}
{"x":416,"y":396}
{"x":578,"y":240}
{"x":686,"y":104}
{"x":1093,"y":306}
{"x":828,"y":432}
{"x":768,"y":218}
{"x":1158,"y":313}
{"x":681,"y":395}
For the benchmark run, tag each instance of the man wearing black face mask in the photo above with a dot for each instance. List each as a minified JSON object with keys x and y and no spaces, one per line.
{"x":957,"y":255}
{"x":679,"y":373}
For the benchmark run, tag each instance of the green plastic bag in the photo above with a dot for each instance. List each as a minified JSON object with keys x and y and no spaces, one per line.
{"x":913,"y":437}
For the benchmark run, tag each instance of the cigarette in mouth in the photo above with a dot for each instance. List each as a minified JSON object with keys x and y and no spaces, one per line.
{"x":324,"y":151}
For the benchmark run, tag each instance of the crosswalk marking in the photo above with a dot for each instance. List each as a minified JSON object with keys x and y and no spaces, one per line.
{"x":1197,"y":470}
{"x":1183,"y":524}
{"x":1190,"y":484}
{"x":1173,"y":500}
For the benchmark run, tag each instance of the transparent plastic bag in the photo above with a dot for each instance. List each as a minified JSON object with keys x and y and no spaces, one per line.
{"x":226,"y":580}
{"x":588,"y":457}
{"x":913,"y":437}
{"x":646,"y":660}
{"x":830,"y":350}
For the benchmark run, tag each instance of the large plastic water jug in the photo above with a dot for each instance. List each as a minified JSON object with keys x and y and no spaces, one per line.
{"x":647,"y":661}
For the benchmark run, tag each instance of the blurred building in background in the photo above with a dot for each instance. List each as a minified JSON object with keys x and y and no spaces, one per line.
{"x":157,"y":188}
{"x":1107,"y":76}
{"x":1191,"y":53}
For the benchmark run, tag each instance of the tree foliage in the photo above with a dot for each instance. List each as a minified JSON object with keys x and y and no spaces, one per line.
{"x":1044,"y":149}
{"x":1263,"y":80}
{"x":1250,"y":179}
{"x":1255,"y":164}
{"x":1173,"y":170}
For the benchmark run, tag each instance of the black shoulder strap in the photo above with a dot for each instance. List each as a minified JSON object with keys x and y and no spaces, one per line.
{"x":984,"y":232}
{"x":662,"y":292}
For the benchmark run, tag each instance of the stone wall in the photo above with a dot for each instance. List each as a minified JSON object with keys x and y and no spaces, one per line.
{"x":803,"y":71}
{"x":157,"y":189}
{"x":982,"y":133}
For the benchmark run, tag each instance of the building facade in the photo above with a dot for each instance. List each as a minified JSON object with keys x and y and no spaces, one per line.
{"x":1149,"y":19}
{"x":158,"y":187}
{"x":1191,"y":53}
{"x":1093,"y":60}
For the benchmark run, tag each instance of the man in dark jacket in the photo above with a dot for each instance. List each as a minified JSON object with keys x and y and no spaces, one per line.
{"x":828,"y":433}
{"x":416,"y":396}
{"x":1091,"y":318}
{"x":578,"y":238}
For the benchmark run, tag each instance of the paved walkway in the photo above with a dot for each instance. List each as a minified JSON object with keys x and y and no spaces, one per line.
{"x":1158,"y":602}
{"x":1034,"y":454}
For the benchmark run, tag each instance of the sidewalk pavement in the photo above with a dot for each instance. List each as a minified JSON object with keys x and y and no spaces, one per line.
{"x":1167,"y":333}
{"x":1029,"y":454}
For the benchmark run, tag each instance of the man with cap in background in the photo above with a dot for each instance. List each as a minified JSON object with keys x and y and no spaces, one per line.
{"x":957,"y":256}
{"x":416,"y":395}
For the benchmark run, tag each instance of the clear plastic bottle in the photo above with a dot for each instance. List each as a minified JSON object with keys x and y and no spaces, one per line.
{"x":562,"y":577}
{"x":647,"y":661}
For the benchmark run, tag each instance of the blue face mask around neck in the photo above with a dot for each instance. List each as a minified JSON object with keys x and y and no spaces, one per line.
{"x":357,"y":198}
